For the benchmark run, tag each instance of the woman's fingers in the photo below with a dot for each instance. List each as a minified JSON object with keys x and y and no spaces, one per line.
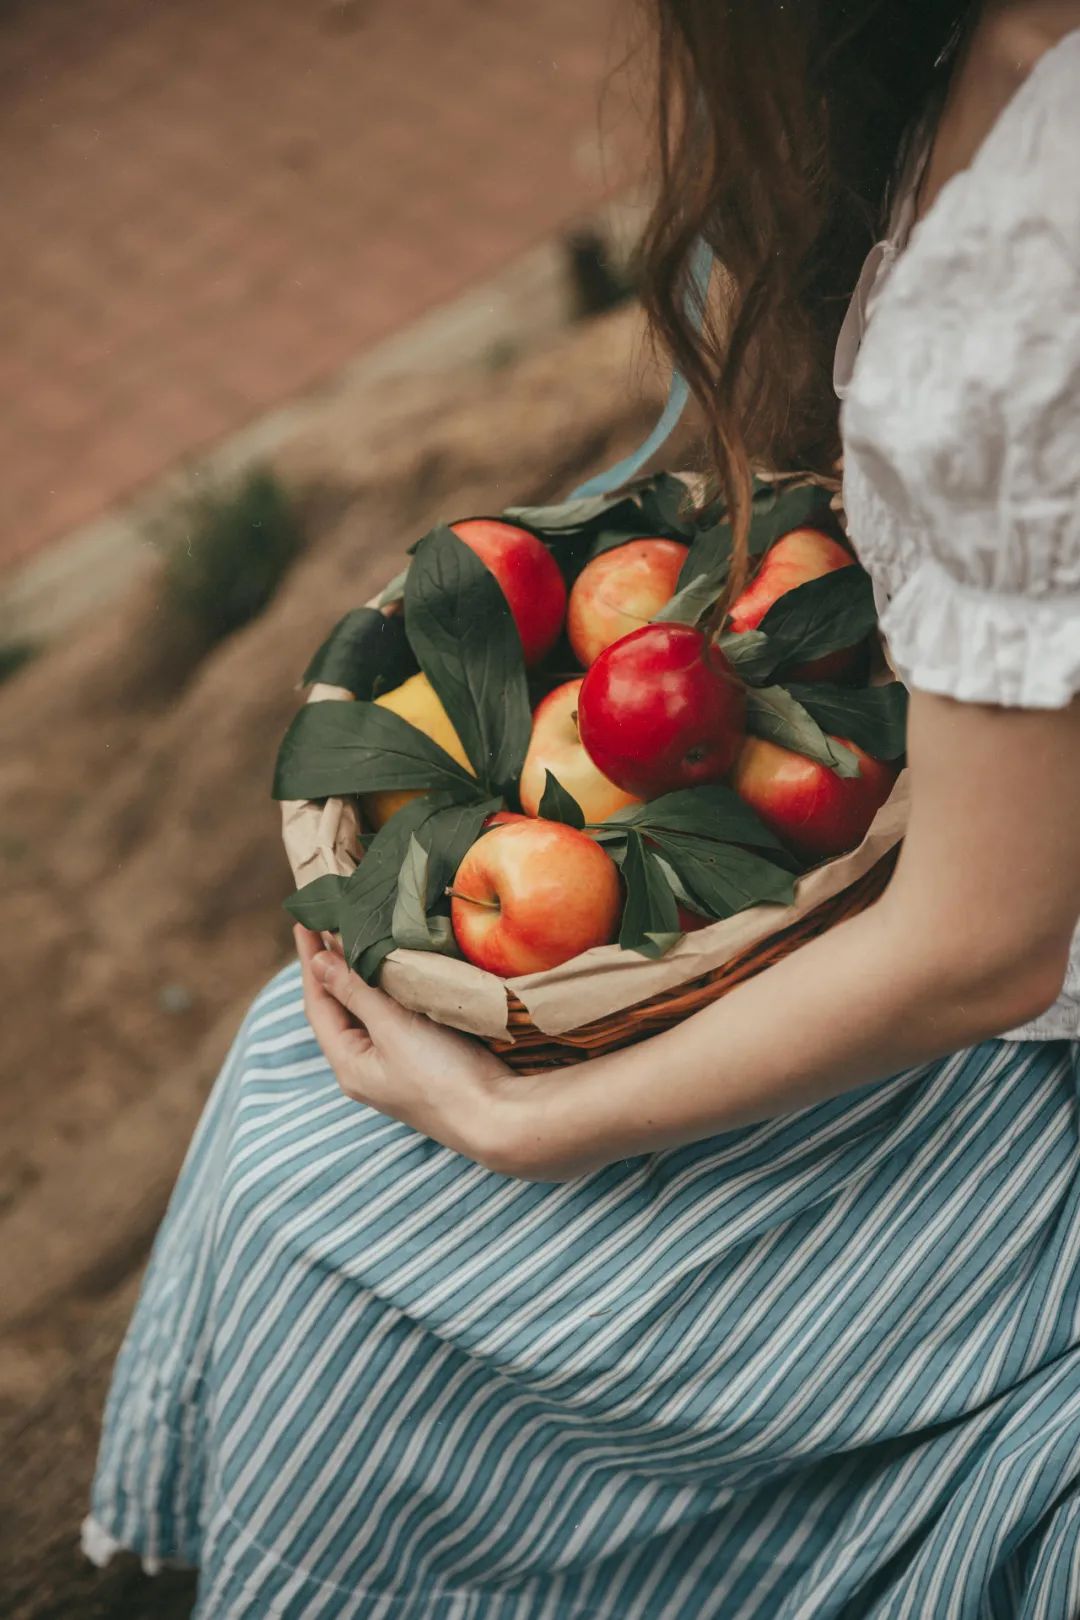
{"x":364,"y":1001}
{"x":329,"y":971}
{"x":325,"y":1013}
{"x":308,"y":944}
{"x":346,"y":1047}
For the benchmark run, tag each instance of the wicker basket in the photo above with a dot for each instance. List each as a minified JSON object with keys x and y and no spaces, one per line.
{"x":530,"y":1051}
{"x":322,"y":837}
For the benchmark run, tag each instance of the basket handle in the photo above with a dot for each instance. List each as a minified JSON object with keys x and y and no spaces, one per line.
{"x":701,"y":265}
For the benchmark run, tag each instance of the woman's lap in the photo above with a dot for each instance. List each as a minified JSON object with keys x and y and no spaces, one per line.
{"x":809,"y":1368}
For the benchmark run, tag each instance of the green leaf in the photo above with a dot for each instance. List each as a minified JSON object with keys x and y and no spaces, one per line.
{"x":393,"y":593}
{"x":410,"y":925}
{"x":371,"y":959}
{"x":824,"y":615}
{"x":775,"y":511}
{"x":316,"y":905}
{"x":650,"y":907}
{"x":448,"y":837}
{"x":682,"y":894}
{"x":693,"y":600}
{"x":441,"y":938}
{"x":709,"y":556}
{"x":614,"y":840}
{"x":872,"y":717}
{"x":556,"y":804}
{"x":464,"y":636}
{"x":753,"y":655}
{"x":773,"y":713}
{"x":611,"y":539}
{"x":336,"y":747}
{"x":722,"y":878}
{"x":654,"y":505}
{"x":656,"y":945}
{"x":369,"y":896}
{"x":665,"y":504}
{"x":431,"y":860}
{"x":565,"y":517}
{"x":364,"y":649}
{"x":710,"y":812}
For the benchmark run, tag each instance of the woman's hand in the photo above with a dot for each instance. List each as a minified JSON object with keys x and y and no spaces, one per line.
{"x":443,"y":1084}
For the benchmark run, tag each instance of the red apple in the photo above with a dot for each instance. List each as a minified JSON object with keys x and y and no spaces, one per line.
{"x":660,"y":710}
{"x":691,"y":921}
{"x":532,"y":894}
{"x":556,"y":746}
{"x":529,"y":576}
{"x":619,"y":591}
{"x":793,"y":560}
{"x":814,"y":811}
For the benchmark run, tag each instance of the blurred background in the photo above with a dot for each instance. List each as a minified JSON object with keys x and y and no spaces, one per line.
{"x":282,"y":286}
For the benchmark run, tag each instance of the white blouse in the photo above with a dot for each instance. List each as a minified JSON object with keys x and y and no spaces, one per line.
{"x":959,"y":370}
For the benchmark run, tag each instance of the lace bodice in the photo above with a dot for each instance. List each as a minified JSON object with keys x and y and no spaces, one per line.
{"x":959,"y":371}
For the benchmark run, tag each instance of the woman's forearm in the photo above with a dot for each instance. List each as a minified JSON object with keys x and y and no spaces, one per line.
{"x":868,"y":999}
{"x":971,"y":938}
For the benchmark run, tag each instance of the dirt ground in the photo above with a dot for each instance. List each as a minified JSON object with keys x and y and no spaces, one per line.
{"x":220,"y":204}
{"x":142,"y":881}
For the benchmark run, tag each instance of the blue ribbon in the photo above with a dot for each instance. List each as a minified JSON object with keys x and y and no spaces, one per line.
{"x":678,"y":393}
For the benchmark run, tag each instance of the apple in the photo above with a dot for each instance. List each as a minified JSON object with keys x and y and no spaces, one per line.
{"x":660,"y":710}
{"x":529,"y":576}
{"x":556,"y":746}
{"x":691,"y":921}
{"x":417,"y":701}
{"x":620,"y":590}
{"x":501,"y":818}
{"x":793,"y":560}
{"x":532,"y":894}
{"x":814,"y":811}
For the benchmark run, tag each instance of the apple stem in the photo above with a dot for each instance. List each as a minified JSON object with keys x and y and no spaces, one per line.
{"x":456,"y":894}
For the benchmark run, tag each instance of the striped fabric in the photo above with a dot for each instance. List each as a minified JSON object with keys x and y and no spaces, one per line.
{"x":824,"y":1367}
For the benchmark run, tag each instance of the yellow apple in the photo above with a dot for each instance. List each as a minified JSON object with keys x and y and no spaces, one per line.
{"x":555,"y":746}
{"x":619,"y":591}
{"x":414,"y":700}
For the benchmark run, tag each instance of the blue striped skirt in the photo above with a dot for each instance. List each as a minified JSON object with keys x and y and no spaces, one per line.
{"x":823,"y":1367}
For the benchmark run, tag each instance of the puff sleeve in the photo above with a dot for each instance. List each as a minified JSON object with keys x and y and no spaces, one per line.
{"x":962,"y":426}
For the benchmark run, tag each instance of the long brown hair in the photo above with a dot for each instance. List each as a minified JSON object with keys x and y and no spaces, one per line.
{"x":781,"y":125}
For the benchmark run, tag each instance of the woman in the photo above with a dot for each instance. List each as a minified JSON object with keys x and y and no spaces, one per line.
{"x":778,"y":1313}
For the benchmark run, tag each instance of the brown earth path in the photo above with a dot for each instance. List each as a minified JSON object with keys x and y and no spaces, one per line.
{"x":209,"y":207}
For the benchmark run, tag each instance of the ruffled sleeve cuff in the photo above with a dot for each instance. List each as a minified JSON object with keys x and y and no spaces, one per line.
{"x":978,"y":646}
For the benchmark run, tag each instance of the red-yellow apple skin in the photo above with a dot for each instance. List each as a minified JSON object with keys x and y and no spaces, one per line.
{"x":556,"y":746}
{"x":661,"y":710}
{"x":619,"y":591}
{"x":529,"y":576}
{"x":501,"y":818}
{"x":817,"y":813}
{"x":538,"y":894}
{"x":793,"y":560}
